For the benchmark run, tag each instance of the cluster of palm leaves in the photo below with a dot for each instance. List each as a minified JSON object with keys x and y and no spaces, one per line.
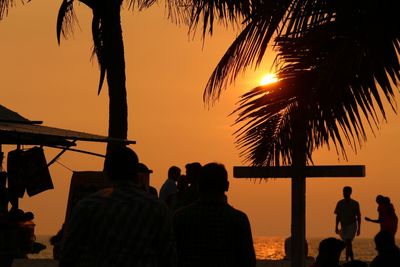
{"x":335,"y":60}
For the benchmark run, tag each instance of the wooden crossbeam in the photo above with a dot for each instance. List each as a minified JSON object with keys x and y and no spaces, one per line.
{"x":308,"y":171}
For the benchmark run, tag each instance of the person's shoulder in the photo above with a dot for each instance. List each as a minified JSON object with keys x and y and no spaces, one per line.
{"x":237,"y":213}
{"x":96,"y":197}
{"x":341,"y":201}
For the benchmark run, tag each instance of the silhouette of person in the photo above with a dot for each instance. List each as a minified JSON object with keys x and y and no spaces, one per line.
{"x":388,"y":252}
{"x":120,"y":225}
{"x":193,"y":172}
{"x":210,"y":232}
{"x":144,"y":180}
{"x":329,"y":251}
{"x":349,"y":216}
{"x":288,"y":248}
{"x":178,"y":199}
{"x":387,"y":217}
{"x":169,"y":186}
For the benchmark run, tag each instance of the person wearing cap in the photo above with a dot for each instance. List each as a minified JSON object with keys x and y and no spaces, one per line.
{"x":120,"y":225}
{"x":144,"y":180}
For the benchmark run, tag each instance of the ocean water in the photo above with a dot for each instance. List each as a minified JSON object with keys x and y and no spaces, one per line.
{"x":266,"y":248}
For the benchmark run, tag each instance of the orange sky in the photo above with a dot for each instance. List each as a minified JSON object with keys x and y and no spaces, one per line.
{"x":166,"y":73}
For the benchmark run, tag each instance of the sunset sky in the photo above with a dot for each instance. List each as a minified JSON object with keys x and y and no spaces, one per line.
{"x":166,"y":72}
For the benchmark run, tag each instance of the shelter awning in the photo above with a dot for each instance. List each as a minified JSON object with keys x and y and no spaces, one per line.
{"x":15,"y":129}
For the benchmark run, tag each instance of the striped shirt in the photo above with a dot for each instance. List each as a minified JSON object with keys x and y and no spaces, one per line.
{"x":212,"y":233}
{"x":119,"y":226}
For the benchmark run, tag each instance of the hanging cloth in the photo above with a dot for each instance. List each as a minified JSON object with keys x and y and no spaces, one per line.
{"x":29,"y":171}
{"x":15,"y":173}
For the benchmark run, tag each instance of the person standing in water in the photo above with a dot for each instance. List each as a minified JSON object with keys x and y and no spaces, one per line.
{"x":349,"y":216}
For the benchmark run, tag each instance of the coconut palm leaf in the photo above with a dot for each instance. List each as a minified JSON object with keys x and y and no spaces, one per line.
{"x":266,"y":19}
{"x":66,"y":19}
{"x":294,"y":18}
{"x":200,"y":13}
{"x":329,"y":76}
{"x":4,"y":6}
{"x":98,"y":47}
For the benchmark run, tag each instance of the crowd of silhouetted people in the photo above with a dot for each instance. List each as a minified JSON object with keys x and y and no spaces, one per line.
{"x":330,"y":249}
{"x":188,"y":223}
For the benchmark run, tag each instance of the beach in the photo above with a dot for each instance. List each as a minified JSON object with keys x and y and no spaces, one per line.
{"x":269,"y":251}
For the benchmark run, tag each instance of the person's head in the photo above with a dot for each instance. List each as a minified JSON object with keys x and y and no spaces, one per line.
{"x":380,"y":199}
{"x":143,"y":175}
{"x":386,"y":201}
{"x":329,"y":250}
{"x":28,"y":216}
{"x":347,"y":190}
{"x":182,"y":183}
{"x":123,"y":164}
{"x":213,"y":180}
{"x":384,"y":241}
{"x":193,"y":172}
{"x":174,"y":173}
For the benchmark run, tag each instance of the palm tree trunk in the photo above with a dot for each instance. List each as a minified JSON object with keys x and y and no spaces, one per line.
{"x":299,"y":192}
{"x":115,"y":62}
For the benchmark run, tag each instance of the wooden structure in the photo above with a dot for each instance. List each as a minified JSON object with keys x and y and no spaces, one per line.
{"x":298,"y":177}
{"x":17,"y":130}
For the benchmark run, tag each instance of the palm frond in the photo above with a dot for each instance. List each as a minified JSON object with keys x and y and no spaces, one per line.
{"x":98,"y":47}
{"x":266,"y":19}
{"x":336,"y":62}
{"x":331,"y":77}
{"x":4,"y":6}
{"x":66,"y":19}
{"x":140,"y":4}
{"x":249,"y":46}
{"x":204,"y":13}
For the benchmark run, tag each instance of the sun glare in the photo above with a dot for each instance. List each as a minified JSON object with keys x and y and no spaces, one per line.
{"x":268,"y":79}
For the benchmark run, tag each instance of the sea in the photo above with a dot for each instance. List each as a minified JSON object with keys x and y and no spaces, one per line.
{"x":266,"y":248}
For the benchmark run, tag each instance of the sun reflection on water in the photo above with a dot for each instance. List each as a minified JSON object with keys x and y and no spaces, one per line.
{"x":271,"y":248}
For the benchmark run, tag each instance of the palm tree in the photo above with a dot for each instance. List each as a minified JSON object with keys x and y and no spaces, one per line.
{"x":109,"y":49}
{"x":336,"y":60}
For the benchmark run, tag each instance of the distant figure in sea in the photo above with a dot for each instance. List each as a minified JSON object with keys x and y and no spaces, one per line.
{"x":329,"y":253}
{"x":120,"y":225}
{"x":388,"y":252}
{"x":387,"y":217}
{"x":144,"y":180}
{"x":349,"y":216}
{"x":169,"y":186}
{"x":210,"y":232}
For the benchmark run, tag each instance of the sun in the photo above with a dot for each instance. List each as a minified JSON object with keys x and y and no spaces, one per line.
{"x":268,"y":79}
